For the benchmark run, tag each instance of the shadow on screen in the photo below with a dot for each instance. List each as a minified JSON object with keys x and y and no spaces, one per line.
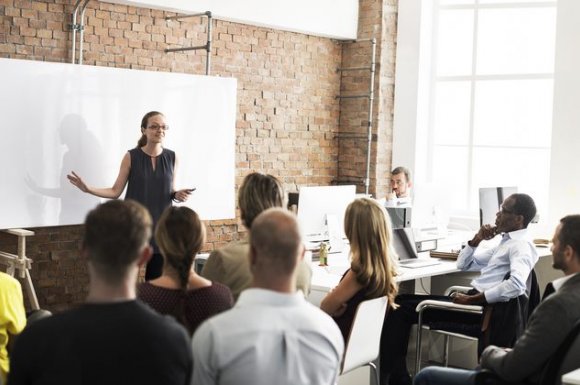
{"x":83,"y":154}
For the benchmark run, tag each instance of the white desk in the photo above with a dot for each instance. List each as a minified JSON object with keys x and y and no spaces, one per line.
{"x":572,"y":378}
{"x":326,"y":278}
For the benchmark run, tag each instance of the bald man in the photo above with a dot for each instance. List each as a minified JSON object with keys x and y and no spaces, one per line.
{"x":272,"y":335}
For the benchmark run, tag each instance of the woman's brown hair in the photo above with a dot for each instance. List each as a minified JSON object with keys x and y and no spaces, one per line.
{"x":180,"y":235}
{"x":368,"y":229}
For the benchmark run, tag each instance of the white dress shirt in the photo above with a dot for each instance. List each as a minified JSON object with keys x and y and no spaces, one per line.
{"x":515,"y":254}
{"x":558,"y":282}
{"x":268,"y":338}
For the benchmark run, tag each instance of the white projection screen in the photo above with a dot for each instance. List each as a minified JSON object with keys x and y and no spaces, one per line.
{"x":62,"y":117}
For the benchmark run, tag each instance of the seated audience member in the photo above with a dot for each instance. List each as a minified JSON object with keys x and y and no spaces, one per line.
{"x":229,"y":265}
{"x":504,"y":272}
{"x":547,"y":328}
{"x":272,"y":335}
{"x":12,"y":318}
{"x":179,"y":291}
{"x":112,"y":338}
{"x":400,"y":187}
{"x":371,"y":275}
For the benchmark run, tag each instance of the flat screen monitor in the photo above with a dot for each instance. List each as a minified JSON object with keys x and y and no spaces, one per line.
{"x":404,"y":243}
{"x":322,"y":208}
{"x":490,"y":200}
{"x":400,"y":216}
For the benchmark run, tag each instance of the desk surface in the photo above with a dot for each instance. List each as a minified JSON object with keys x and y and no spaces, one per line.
{"x":572,"y":378}
{"x":325,"y":278}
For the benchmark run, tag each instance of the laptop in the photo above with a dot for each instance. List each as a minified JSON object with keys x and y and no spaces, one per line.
{"x":404,"y":244}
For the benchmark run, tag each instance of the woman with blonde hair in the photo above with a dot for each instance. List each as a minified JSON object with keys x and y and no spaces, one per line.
{"x":179,"y":291}
{"x":372,"y":271}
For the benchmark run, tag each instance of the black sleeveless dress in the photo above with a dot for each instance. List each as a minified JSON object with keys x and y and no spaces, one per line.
{"x":345,"y":320}
{"x":152,"y":188}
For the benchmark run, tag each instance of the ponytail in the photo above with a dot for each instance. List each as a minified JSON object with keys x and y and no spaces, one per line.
{"x":180,"y":236}
{"x":142,"y":141}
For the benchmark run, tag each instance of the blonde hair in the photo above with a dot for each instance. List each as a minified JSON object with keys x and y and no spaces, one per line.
{"x":368,"y":229}
{"x":257,"y":193}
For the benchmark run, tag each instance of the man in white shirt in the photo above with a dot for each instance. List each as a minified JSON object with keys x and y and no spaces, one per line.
{"x":505,"y":270}
{"x":272,"y":335}
{"x":547,"y":329}
{"x":401,"y":184}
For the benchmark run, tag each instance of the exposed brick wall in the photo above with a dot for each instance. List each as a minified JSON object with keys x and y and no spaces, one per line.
{"x":287,"y":116}
{"x":377,"y":19}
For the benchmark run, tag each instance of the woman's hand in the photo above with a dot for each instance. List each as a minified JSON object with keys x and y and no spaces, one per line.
{"x":182,"y":195}
{"x":77,"y":181}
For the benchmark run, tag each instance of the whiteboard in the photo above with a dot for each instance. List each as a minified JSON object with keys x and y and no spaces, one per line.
{"x":62,"y":117}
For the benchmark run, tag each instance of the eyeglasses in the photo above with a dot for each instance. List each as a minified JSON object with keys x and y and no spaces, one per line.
{"x":156,"y":127}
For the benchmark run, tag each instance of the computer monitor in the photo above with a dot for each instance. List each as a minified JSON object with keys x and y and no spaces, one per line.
{"x":404,"y":243}
{"x":321,"y":211}
{"x":490,"y":200}
{"x":400,"y":216}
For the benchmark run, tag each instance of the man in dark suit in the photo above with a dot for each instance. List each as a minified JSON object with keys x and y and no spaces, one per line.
{"x":547,"y":328}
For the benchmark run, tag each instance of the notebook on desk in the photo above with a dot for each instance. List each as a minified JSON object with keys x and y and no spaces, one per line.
{"x":405,"y":246}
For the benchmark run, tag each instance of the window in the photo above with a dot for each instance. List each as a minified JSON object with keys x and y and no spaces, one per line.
{"x":490,"y":98}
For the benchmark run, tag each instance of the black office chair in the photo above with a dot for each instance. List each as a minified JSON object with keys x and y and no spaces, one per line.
{"x":495,"y":317}
{"x":565,"y":359}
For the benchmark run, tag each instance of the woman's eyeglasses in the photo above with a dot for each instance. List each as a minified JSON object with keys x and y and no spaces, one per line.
{"x":156,"y":127}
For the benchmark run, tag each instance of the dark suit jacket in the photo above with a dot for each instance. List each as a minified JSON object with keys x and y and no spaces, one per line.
{"x":547,"y":328}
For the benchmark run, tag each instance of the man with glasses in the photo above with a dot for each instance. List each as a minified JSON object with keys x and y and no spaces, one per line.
{"x":504,"y":272}
{"x":544,"y":334}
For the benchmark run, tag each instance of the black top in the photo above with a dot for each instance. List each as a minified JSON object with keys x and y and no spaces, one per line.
{"x":200,"y":304}
{"x":151,"y":187}
{"x":114,"y":343}
{"x":345,"y":320}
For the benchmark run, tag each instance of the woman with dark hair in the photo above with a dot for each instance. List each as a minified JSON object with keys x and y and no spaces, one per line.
{"x":148,"y":170}
{"x":179,"y":291}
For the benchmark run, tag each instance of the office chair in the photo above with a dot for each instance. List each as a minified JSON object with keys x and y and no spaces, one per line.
{"x":449,"y":306}
{"x":364,"y":339}
{"x":565,"y":359}
{"x":483,"y":337}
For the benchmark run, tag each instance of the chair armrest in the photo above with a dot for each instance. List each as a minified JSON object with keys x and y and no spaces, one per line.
{"x":457,"y":289}
{"x":433,"y":304}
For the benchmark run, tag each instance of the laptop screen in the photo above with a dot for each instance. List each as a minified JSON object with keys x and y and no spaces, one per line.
{"x":404,"y":243}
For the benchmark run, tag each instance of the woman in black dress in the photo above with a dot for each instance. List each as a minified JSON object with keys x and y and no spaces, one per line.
{"x":148,"y":170}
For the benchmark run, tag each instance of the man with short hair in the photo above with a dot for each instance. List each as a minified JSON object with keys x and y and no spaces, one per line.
{"x":504,"y":272}
{"x":112,"y":338}
{"x":229,"y":264}
{"x":272,"y":335}
{"x":548,"y":325}
{"x":400,"y":187}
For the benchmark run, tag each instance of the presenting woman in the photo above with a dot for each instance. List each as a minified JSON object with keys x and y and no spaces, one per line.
{"x":148,"y":170}
{"x":372,"y":270}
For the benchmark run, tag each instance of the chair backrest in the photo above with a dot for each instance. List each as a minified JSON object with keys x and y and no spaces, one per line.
{"x":364,"y":339}
{"x":565,"y":359}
